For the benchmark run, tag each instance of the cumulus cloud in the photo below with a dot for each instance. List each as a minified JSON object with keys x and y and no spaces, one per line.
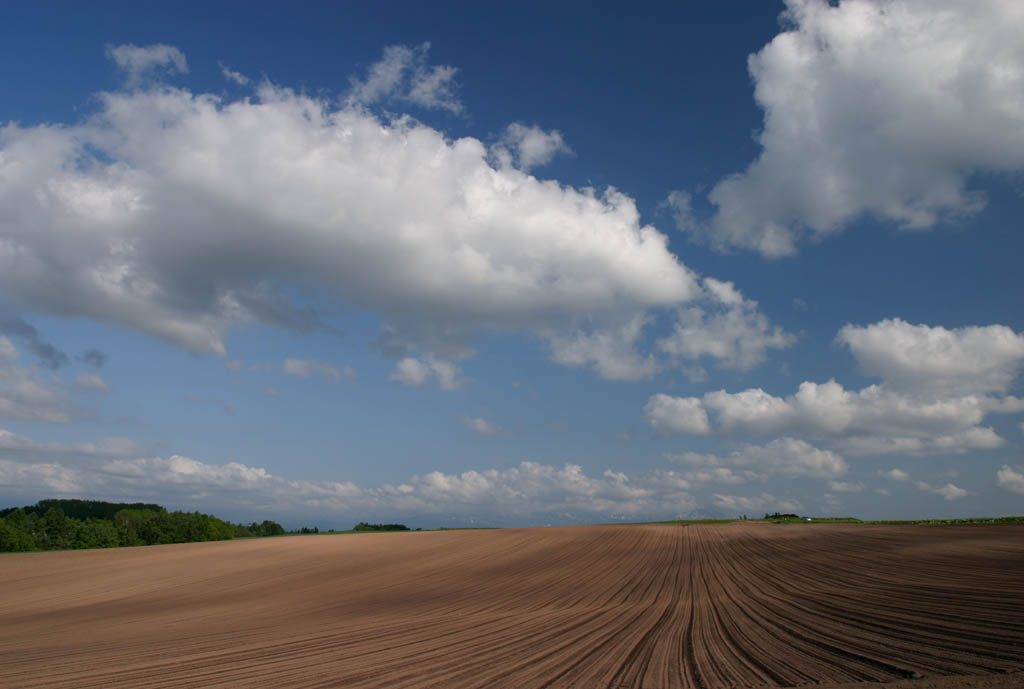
{"x":232,"y":75}
{"x":527,"y":147}
{"x":948,"y":491}
{"x":94,"y":358}
{"x":872,"y":421}
{"x":528,"y":490}
{"x":24,"y":395}
{"x":1011,"y":479}
{"x":17,"y":327}
{"x":414,"y":372}
{"x":612,"y":352}
{"x":765,"y":502}
{"x":786,"y":457}
{"x":139,"y":61}
{"x":927,"y":359}
{"x":90,"y":382}
{"x":677,"y":415}
{"x":403,"y":75}
{"x":304,"y":368}
{"x":728,"y":329}
{"x":480,"y":426}
{"x":845,"y":487}
{"x":875,"y":108}
{"x":938,"y":386}
{"x":895,"y":474}
{"x":181,"y":214}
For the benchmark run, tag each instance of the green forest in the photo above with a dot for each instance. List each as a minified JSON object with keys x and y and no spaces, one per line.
{"x":79,"y":524}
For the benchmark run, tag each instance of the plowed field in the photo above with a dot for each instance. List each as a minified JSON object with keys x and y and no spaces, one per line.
{"x":735,"y":605}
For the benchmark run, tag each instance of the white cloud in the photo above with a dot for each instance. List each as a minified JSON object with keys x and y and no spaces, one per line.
{"x":765,"y":502}
{"x":414,"y":372}
{"x":895,"y":474}
{"x":304,"y":368}
{"x":402,"y":74}
{"x":938,"y":386}
{"x":137,"y":61}
{"x":181,"y":214}
{"x":787,"y":457}
{"x":232,"y":75}
{"x":1010,"y":479}
{"x":961,"y":442}
{"x":677,"y":415}
{"x":845,"y":487}
{"x":480,"y":426}
{"x":728,"y":328}
{"x":24,"y":395}
{"x":528,"y":147}
{"x":876,"y":108}
{"x":948,"y":491}
{"x":526,"y":490}
{"x":872,"y":421}
{"x":611,"y":352}
{"x":680,"y":205}
{"x":926,"y":359}
{"x":90,"y":382}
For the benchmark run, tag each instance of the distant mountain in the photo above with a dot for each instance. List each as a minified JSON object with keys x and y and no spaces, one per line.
{"x":707,"y":513}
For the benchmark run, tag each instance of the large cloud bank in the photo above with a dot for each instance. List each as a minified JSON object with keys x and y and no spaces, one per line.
{"x":874,"y":108}
{"x":938,"y":385}
{"x":529,"y":492}
{"x":180,"y":214}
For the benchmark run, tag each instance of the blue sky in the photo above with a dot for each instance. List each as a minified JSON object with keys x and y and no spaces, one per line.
{"x":552,"y":264}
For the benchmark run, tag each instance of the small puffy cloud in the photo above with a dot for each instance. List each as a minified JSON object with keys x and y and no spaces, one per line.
{"x":948,"y":491}
{"x":866,"y":105}
{"x":765,"y":502}
{"x":49,"y":356}
{"x":137,"y":61}
{"x":91,"y":383}
{"x":845,"y":487}
{"x":680,"y":204}
{"x":895,"y":474}
{"x":932,"y":359}
{"x":677,"y":415}
{"x":24,"y":395}
{"x":480,"y":426}
{"x":612,"y":353}
{"x":304,"y":368}
{"x":402,"y":74}
{"x":787,"y":457}
{"x":94,"y":358}
{"x":1011,"y":479}
{"x":727,"y":328}
{"x":528,"y":147}
{"x":752,"y":411}
{"x":232,"y":75}
{"x":414,"y":372}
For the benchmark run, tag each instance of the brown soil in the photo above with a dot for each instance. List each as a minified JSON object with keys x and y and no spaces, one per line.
{"x":736,"y":605}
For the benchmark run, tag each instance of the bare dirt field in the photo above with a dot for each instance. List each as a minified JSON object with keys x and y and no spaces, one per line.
{"x":704,"y":606}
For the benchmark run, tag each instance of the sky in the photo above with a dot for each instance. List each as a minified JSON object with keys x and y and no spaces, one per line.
{"x":457,"y":264}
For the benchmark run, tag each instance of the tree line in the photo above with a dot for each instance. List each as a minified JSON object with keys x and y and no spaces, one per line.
{"x":79,"y":524}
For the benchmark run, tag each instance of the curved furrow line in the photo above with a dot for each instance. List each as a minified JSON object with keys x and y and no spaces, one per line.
{"x":786,"y":653}
{"x":828,"y":613}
